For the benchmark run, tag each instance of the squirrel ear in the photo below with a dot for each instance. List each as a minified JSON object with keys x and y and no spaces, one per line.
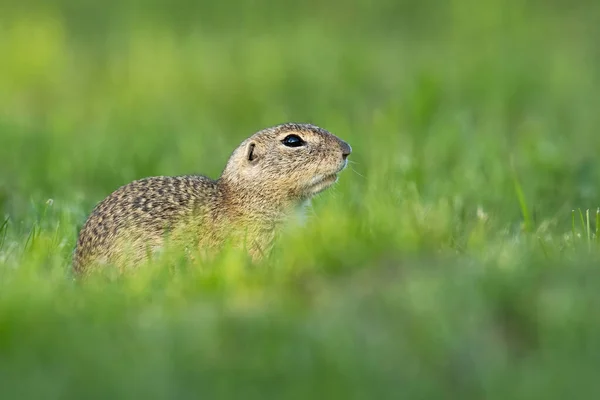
{"x":251,"y":154}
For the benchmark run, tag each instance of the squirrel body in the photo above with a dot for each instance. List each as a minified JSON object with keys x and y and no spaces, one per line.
{"x":267,"y":178}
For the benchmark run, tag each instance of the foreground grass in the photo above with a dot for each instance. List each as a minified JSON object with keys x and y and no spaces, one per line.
{"x":447,"y":262}
{"x":355,"y":319}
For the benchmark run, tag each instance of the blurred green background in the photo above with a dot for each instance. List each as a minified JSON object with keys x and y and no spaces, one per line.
{"x":447,"y":262}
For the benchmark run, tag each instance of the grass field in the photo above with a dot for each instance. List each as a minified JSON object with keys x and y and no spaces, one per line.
{"x":446,"y":263}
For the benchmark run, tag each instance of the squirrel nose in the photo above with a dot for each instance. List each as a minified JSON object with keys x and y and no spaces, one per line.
{"x":346,"y":150}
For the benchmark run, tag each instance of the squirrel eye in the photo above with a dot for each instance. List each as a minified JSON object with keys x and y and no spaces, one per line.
{"x":293,"y":141}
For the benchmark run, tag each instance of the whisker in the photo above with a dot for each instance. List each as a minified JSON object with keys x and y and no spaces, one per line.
{"x":357,"y":173}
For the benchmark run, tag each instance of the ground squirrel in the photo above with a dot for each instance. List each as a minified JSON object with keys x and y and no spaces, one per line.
{"x":270,"y":175}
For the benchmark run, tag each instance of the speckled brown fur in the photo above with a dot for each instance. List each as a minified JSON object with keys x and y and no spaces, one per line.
{"x":263,"y":182}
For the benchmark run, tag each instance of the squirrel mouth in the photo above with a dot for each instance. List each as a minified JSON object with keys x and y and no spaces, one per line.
{"x":320,"y":183}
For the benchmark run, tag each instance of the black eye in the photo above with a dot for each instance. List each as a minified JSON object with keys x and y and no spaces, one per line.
{"x":293,"y":141}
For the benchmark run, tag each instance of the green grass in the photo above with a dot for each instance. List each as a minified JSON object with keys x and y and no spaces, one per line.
{"x":458,"y":257}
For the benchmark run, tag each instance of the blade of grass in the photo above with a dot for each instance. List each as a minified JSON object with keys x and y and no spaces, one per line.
{"x":522,"y":203}
{"x":588,"y":229}
{"x":582,"y":220}
{"x":30,"y":238}
{"x":597,"y":224}
{"x":3,"y":232}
